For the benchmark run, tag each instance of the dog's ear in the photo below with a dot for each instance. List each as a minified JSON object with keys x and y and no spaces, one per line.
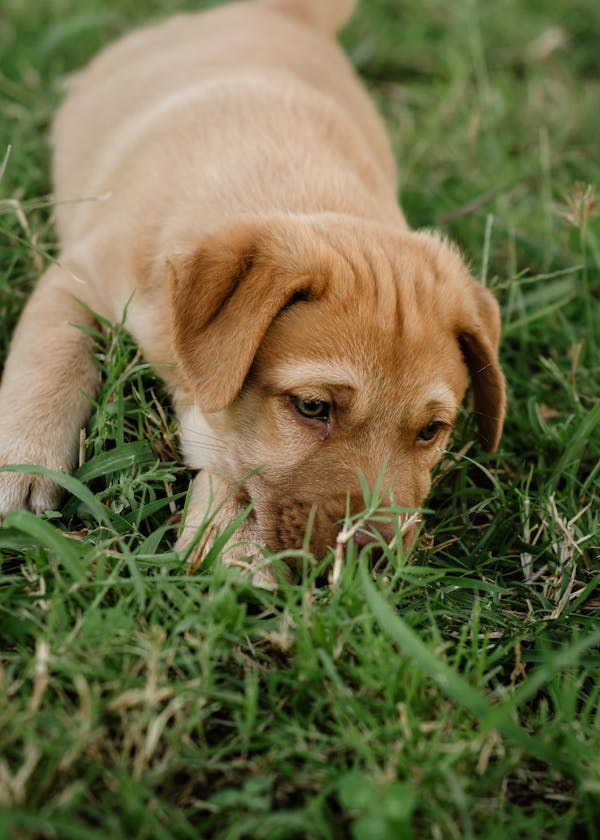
{"x":224,"y":297}
{"x":479,"y":339}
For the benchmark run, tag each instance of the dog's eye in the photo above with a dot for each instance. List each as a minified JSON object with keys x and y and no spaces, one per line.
{"x":312,"y":409}
{"x":430,"y":431}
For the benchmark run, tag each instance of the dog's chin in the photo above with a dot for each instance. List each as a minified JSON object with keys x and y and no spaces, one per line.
{"x":283,"y":525}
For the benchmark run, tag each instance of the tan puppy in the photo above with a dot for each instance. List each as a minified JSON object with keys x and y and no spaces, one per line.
{"x":245,"y":196}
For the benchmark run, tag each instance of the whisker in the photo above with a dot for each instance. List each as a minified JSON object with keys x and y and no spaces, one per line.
{"x":482,"y":369}
{"x":196,"y":433}
{"x":203,"y":440}
{"x":487,"y":416}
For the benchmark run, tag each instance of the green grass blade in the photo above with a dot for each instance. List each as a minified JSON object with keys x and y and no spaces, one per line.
{"x":68,"y":551}
{"x":450,"y":683}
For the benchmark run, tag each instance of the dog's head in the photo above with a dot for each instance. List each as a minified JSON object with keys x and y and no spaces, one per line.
{"x":323,"y":348}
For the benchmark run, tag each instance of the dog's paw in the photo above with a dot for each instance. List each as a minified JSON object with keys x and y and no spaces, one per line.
{"x":22,"y":490}
{"x":242,"y":550}
{"x":212,"y":500}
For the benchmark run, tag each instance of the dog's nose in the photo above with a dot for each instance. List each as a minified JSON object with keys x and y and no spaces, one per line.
{"x":368,"y":536}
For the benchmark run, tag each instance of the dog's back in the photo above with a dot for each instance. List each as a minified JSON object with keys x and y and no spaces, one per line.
{"x":190,"y":74}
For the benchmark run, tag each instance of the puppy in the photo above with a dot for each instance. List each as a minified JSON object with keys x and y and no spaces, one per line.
{"x":245,"y":205}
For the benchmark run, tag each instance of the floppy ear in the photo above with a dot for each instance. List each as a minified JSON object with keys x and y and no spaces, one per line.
{"x":479,"y":342}
{"x":223,"y":299}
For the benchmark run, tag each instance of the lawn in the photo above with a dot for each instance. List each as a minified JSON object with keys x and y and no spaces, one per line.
{"x":451,"y":694}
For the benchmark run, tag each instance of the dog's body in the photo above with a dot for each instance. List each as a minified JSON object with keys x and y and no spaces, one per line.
{"x":242,"y":197}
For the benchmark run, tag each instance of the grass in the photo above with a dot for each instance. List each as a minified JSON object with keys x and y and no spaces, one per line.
{"x":453,"y":695}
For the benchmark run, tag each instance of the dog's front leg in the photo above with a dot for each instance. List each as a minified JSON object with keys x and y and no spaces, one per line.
{"x":216,"y":506}
{"x":44,"y":396}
